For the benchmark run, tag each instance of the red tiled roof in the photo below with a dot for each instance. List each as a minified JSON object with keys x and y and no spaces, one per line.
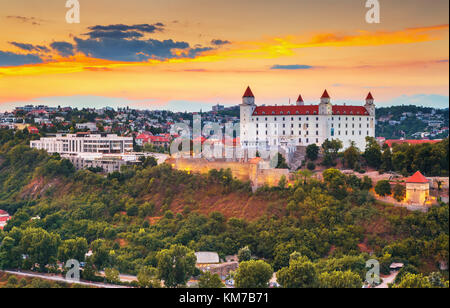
{"x":308,"y":110}
{"x":349,"y":110}
{"x":325,"y":94}
{"x":369,"y":96}
{"x":33,"y":130}
{"x":417,"y":178}
{"x":143,"y":136}
{"x":300,"y":98}
{"x":391,"y":142}
{"x":248,"y":93}
{"x":2,"y":212}
{"x":3,"y":219}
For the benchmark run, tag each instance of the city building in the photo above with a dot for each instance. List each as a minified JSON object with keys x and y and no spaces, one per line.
{"x":90,"y":126}
{"x":84,"y":143}
{"x":417,"y":189}
{"x":291,"y":126}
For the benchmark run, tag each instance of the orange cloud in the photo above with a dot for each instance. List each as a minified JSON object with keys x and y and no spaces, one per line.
{"x":265,"y":49}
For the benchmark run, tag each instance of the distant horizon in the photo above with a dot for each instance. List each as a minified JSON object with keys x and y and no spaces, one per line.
{"x":208,"y":109}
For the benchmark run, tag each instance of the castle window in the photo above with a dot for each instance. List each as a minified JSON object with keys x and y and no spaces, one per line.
{"x":283,"y":118}
{"x":317,"y":125}
{"x":317,"y":140}
{"x":317,"y":119}
{"x":307,"y":119}
{"x":281,"y":112}
{"x":284,"y":132}
{"x":317,"y":133}
{"x":360,"y":133}
{"x":288,"y":112}
{"x":315,"y":112}
{"x":307,"y":112}
{"x":292,"y":118}
{"x":292,"y":132}
{"x":297,"y":112}
{"x":266,"y":119}
{"x":264,"y":113}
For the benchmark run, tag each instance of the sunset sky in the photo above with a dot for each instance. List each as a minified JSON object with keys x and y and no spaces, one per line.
{"x":191,"y":54}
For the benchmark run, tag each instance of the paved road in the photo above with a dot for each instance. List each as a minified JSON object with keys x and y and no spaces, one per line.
{"x":62,"y":279}
{"x":387,"y":280}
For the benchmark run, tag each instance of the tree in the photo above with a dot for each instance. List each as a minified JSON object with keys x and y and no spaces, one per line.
{"x":386,"y":158}
{"x":73,"y":249}
{"x":336,"y":183}
{"x":39,"y":246}
{"x":176,"y":265}
{"x":339,"y":279}
{"x":244,"y":254}
{"x":112,"y":275}
{"x":366,"y":183}
{"x":210,"y":281}
{"x":331,"y":150}
{"x":399,"y":192}
{"x":414,"y":281}
{"x":253,"y":274}
{"x":351,"y":156}
{"x":148,"y":277}
{"x":372,"y":154}
{"x":311,"y":166}
{"x":383,"y":188}
{"x":281,"y":162}
{"x":301,"y":273}
{"x":312,"y":152}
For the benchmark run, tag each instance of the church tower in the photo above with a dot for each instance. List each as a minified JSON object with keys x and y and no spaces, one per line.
{"x":325,"y":107}
{"x":370,"y":106}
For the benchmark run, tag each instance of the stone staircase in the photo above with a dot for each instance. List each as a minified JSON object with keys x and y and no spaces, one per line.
{"x":297,"y":158}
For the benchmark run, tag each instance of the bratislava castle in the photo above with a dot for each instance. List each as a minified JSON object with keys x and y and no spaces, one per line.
{"x":291,"y":126}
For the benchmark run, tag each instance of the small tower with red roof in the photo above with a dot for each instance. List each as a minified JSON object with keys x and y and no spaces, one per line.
{"x":325,"y":107}
{"x":417,"y":189}
{"x":246,"y":111}
{"x":300,"y":101}
{"x":370,"y":106}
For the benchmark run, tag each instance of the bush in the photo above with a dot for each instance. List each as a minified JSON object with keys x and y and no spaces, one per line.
{"x":311,"y":166}
{"x":383,"y":188}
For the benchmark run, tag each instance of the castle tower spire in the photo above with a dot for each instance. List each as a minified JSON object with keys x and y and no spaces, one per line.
{"x":248,"y":98}
{"x":300,"y":101}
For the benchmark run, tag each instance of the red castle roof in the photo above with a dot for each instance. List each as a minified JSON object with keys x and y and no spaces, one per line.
{"x":248,"y":93}
{"x":369,"y":96}
{"x":300,"y":98}
{"x":308,"y":110}
{"x":325,"y":94}
{"x":417,"y":178}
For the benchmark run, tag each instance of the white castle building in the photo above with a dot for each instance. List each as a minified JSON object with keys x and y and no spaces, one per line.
{"x":292,"y":126}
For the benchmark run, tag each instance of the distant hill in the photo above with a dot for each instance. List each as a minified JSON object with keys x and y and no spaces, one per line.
{"x":412,"y":122}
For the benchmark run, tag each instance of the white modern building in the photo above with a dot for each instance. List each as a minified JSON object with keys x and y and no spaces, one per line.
{"x":293,"y":126}
{"x":84,"y":143}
